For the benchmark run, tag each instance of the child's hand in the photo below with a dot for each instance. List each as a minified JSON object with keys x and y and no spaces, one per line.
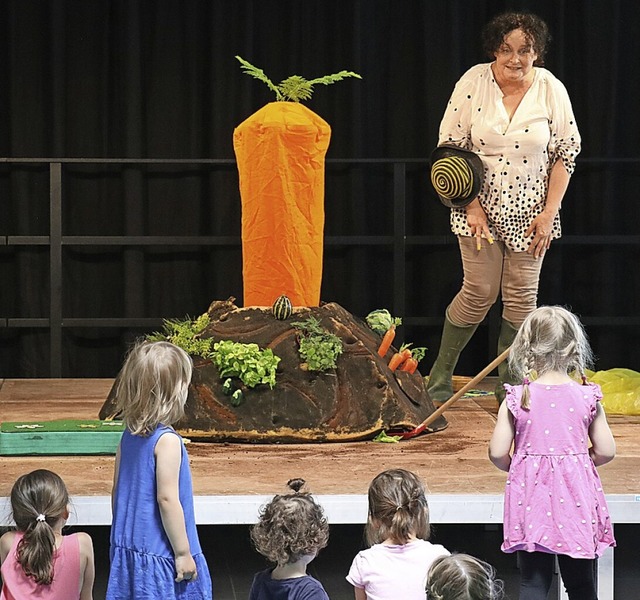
{"x":185,"y":568}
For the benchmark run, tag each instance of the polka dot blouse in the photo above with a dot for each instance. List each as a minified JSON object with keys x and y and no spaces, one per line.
{"x":517,"y":154}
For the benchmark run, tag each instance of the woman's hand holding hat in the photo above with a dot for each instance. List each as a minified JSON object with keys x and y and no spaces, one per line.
{"x":478,"y":223}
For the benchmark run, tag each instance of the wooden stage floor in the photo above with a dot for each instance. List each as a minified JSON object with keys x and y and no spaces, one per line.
{"x":453,"y":461}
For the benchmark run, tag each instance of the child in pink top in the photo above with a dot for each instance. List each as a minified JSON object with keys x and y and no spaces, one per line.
{"x":37,"y":560}
{"x":550,"y":436}
{"x":397,"y":563}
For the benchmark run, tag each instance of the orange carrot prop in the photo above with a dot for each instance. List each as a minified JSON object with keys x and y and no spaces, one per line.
{"x":387,"y":340}
{"x":280,"y":154}
{"x":381,"y":321}
{"x":400,"y":357}
{"x":411,"y":364}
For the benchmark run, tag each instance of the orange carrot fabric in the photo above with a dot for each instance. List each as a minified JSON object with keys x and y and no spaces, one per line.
{"x":280,"y":152}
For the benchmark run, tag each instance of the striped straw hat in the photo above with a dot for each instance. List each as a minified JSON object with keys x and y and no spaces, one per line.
{"x":456,"y":175}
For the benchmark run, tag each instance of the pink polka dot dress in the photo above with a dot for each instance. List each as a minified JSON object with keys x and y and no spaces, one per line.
{"x":554,"y":500}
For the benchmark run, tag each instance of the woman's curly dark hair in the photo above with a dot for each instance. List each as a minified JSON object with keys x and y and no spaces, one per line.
{"x":290,"y":526}
{"x":533,"y":27}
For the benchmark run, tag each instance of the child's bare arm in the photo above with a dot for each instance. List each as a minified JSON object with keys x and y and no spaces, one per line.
{"x":360,"y":594}
{"x":502,"y":439}
{"x":168,"y":454}
{"x":603,"y":446}
{"x":6,"y":541}
{"x":89,"y":574}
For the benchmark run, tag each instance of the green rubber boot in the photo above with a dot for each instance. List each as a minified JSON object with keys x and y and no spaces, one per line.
{"x":454,"y":339}
{"x":505,"y":339}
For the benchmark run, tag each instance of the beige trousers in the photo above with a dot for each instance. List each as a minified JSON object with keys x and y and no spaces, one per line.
{"x":495,"y":269}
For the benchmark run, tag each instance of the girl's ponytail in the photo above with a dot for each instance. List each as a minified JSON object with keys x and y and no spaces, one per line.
{"x":35,"y":551}
{"x":398,"y":508}
{"x":39,"y":500}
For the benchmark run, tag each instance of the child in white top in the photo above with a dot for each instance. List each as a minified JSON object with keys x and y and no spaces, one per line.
{"x":554,"y":504}
{"x":396,"y":564}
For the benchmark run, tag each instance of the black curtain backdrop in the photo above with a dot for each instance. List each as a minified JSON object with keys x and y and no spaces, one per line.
{"x":158,"y":79}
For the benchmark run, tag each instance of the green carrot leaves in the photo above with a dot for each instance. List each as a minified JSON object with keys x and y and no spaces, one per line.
{"x":295,"y":87}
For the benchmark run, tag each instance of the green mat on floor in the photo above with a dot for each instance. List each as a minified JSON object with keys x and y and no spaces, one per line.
{"x":61,"y":437}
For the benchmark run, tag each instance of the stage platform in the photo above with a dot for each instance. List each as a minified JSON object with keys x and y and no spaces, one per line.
{"x":232,"y":481}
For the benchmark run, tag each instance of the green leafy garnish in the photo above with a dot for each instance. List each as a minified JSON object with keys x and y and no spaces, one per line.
{"x":184,"y":333}
{"x":233,"y":359}
{"x":380,"y":320}
{"x":318,"y":347}
{"x":387,"y":439}
{"x":245,"y":361}
{"x":294,"y":88}
{"x":418,"y":353}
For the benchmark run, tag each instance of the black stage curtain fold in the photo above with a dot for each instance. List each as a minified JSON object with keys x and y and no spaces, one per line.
{"x":158,"y":79}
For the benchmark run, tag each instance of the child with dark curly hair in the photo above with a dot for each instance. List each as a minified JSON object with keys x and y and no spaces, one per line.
{"x":291,"y":531}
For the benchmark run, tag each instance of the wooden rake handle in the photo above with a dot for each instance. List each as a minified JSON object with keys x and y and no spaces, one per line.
{"x":461,"y":392}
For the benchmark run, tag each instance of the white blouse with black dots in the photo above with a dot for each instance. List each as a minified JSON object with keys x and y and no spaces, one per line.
{"x":517,"y":154}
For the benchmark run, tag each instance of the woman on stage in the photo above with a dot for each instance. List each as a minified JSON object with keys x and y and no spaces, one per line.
{"x":518,"y":118}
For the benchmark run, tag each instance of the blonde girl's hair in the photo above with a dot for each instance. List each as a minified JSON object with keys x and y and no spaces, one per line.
{"x":462,"y":577}
{"x":551,"y":338}
{"x":398,"y":508}
{"x":152,"y":386}
{"x":38,"y":501}
{"x":290,"y":526}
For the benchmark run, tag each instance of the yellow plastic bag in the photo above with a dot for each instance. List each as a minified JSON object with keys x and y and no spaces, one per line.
{"x":620,"y":390}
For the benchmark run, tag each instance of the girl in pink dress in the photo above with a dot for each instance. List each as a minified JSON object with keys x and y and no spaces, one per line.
{"x":37,"y":560}
{"x":554,"y":503}
{"x":396,"y":565}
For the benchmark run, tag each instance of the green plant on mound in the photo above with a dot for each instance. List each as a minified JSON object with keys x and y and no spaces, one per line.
{"x":294,"y":88}
{"x":318,"y":347}
{"x":247,"y":362}
{"x":184,"y":333}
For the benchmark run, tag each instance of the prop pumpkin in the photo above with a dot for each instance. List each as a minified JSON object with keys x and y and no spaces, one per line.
{"x":280,"y":152}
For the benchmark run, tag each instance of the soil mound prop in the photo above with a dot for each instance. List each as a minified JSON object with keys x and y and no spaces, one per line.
{"x":356,"y":400}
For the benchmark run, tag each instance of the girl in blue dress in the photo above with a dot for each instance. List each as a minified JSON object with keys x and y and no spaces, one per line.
{"x":155,"y":551}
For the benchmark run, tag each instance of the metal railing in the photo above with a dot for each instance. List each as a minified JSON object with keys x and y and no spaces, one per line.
{"x":398,"y":241}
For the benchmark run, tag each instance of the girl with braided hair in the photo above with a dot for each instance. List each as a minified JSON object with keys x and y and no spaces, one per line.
{"x":292,"y":529}
{"x":398,"y":559}
{"x":554,"y":504}
{"x":37,"y":560}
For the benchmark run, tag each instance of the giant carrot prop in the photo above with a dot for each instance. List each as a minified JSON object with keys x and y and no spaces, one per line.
{"x":280,"y":152}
